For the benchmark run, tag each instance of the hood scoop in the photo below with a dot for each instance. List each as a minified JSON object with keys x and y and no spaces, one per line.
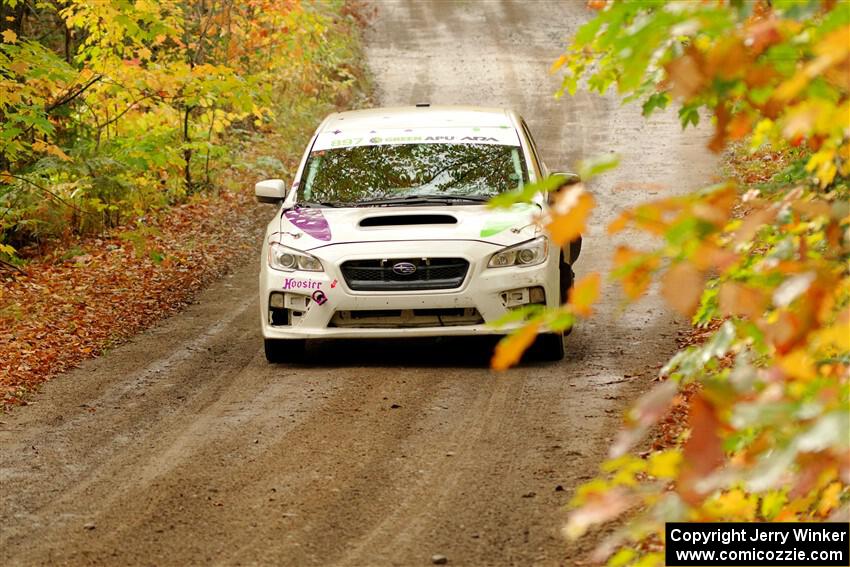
{"x":407,"y":220}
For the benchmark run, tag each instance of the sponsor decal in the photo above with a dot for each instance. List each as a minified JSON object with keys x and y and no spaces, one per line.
{"x":319,"y":297}
{"x":500,"y":222}
{"x":489,"y":135}
{"x":293,"y":283}
{"x":333,"y":284}
{"x":311,"y":221}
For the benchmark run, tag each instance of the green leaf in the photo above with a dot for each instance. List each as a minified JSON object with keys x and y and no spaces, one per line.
{"x":656,"y":101}
{"x":591,"y":167}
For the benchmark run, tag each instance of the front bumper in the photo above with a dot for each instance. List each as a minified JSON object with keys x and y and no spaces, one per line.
{"x":313,"y":298}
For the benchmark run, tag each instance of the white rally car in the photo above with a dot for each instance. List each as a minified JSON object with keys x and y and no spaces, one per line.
{"x":386,"y":233}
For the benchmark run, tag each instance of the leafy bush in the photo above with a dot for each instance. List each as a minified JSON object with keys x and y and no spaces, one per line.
{"x":111,"y":109}
{"x":765,"y":264}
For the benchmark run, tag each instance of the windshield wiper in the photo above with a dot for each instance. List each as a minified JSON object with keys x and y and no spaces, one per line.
{"x":311,"y":204}
{"x":416,"y":199}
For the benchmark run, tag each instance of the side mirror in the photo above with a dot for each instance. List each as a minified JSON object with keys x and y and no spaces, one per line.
{"x":569,"y":178}
{"x":270,"y":191}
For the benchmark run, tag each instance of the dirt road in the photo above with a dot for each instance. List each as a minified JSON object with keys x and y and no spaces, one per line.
{"x":184,"y":447}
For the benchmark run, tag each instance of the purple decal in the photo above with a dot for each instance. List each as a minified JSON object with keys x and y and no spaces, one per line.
{"x":292,"y":283}
{"x":311,"y":221}
{"x":319,"y":297}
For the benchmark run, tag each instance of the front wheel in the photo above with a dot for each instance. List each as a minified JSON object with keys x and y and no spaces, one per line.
{"x":550,"y":346}
{"x":284,"y":350}
{"x":567,"y":277}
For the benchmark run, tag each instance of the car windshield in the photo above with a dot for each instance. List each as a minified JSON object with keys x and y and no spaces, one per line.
{"x":375,"y":174}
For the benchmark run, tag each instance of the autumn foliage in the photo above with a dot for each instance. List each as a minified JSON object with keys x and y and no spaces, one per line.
{"x":110,"y":109}
{"x":130,"y":136}
{"x":762,"y":265}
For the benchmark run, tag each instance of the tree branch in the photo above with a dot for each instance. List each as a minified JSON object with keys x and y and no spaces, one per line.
{"x":49,"y":192}
{"x":71,"y":96}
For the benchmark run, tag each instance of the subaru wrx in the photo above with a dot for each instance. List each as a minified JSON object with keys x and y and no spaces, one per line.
{"x":386,"y":232}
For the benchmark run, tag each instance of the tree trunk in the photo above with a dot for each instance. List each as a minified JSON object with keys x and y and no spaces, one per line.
{"x":187,"y":152}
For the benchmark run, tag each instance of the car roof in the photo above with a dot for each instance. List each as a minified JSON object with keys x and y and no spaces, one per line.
{"x":418,"y":117}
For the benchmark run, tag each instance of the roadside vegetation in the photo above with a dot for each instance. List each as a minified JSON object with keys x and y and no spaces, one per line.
{"x":130,"y":137}
{"x":750,"y":421}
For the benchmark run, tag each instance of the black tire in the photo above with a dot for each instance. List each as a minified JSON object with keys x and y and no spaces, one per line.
{"x":550,"y":347}
{"x":567,"y":277}
{"x":284,"y":350}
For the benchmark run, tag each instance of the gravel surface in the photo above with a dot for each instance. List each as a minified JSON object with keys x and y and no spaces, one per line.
{"x":184,"y":447}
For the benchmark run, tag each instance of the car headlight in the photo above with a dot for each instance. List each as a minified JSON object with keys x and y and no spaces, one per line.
{"x":528,"y":253}
{"x":289,"y":259}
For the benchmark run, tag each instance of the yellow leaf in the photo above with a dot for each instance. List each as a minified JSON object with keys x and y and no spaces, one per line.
{"x":832,"y":50}
{"x":771,"y":503}
{"x":569,"y":214}
{"x":510,"y":349}
{"x":9,"y":36}
{"x":40,"y":146}
{"x":558,"y":63}
{"x":837,"y":337}
{"x":735,"y":504}
{"x":823,"y":165}
{"x":584,"y":294}
{"x":665,"y":464}
{"x":798,"y":364}
{"x":829,"y":499}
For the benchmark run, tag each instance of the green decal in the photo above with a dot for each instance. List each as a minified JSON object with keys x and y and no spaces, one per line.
{"x":495,"y":226}
{"x":501,"y":222}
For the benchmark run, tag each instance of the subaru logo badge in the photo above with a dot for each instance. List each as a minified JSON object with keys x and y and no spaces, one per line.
{"x":404,"y":268}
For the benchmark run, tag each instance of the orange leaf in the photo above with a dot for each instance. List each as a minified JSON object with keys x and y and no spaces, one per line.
{"x":682,"y":287}
{"x":727,"y":59}
{"x":569,"y":214}
{"x":718,"y":142}
{"x":40,"y":146}
{"x":638,"y":269}
{"x":741,"y":300}
{"x":785,"y":332}
{"x":686,"y":74}
{"x":510,"y":349}
{"x":584,"y":294}
{"x":619,"y":223}
{"x":703,"y":451}
{"x":762,"y":35}
{"x":739,"y":126}
{"x":753,"y":222}
{"x":711,"y":256}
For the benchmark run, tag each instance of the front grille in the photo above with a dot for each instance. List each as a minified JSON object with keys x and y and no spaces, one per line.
{"x":429,"y":273}
{"x":407,"y":318}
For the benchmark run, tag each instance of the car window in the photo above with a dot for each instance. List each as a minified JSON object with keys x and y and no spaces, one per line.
{"x":348,"y":175}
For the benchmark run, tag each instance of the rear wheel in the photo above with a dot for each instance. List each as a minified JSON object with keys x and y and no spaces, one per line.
{"x":285,"y":350}
{"x":550,"y":346}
